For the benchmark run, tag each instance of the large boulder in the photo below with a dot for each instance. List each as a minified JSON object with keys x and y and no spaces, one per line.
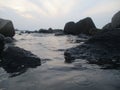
{"x":103,"y":49}
{"x":70,"y":28}
{"x":107,"y":26}
{"x":83,"y":26}
{"x":1,"y":43}
{"x":116,"y":20}
{"x":7,"y":28}
{"x":15,"y":58}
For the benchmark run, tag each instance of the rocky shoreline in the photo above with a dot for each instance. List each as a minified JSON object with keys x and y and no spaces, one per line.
{"x":102,"y":48}
{"x":12,"y":58}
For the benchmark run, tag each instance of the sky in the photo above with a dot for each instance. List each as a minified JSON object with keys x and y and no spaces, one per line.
{"x":36,"y":14}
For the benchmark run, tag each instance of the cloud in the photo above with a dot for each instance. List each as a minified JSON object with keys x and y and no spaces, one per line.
{"x":102,"y":7}
{"x":55,"y":13}
{"x":48,"y":8}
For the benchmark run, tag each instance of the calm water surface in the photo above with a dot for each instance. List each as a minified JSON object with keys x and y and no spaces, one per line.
{"x":54,"y":73}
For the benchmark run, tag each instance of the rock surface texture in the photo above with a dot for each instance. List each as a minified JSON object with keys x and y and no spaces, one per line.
{"x":103,"y":48}
{"x":7,"y":28}
{"x":15,"y":58}
{"x":82,"y":27}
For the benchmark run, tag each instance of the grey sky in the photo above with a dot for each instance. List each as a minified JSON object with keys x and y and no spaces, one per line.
{"x":36,"y":14}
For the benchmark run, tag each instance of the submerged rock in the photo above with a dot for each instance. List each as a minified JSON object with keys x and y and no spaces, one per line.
{"x":6,"y":28}
{"x":15,"y":58}
{"x":9,"y":40}
{"x":83,"y":26}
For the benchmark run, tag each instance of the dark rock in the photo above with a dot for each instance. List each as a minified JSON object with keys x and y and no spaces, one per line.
{"x":107,"y":26}
{"x":68,"y":57}
{"x":103,"y":49}
{"x":59,"y":33}
{"x":108,"y":38}
{"x":6,"y":28}
{"x":70,"y":28}
{"x":83,"y":26}
{"x":1,"y":43}
{"x":116,"y":20}
{"x":8,"y":40}
{"x":46,"y":31}
{"x":94,"y":31}
{"x":16,"y":58}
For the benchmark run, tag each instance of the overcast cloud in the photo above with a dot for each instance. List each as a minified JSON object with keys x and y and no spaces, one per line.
{"x":36,"y":14}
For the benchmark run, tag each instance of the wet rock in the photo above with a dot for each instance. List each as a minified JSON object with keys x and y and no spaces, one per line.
{"x":102,"y":49}
{"x":1,"y":43}
{"x":6,"y":28}
{"x":8,"y":40}
{"x":15,"y":58}
{"x":83,"y":26}
{"x":59,"y":33}
{"x":45,"y":31}
{"x":68,"y":57}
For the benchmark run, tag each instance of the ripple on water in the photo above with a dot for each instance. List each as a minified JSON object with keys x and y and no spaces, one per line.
{"x":3,"y":75}
{"x":82,"y":81}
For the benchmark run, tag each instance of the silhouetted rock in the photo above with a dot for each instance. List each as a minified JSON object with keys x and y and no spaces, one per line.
{"x":107,"y":26}
{"x":103,"y":49}
{"x":45,"y":31}
{"x":1,"y":43}
{"x":70,"y":28}
{"x":6,"y":28}
{"x":15,"y":58}
{"x":116,"y":20}
{"x":83,"y":26}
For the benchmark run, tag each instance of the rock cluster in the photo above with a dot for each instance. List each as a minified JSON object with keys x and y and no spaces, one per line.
{"x":115,"y":22}
{"x":84,"y":26}
{"x":12,"y":58}
{"x":103,"y":48}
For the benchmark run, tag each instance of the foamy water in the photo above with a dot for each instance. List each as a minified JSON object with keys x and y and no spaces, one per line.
{"x":54,"y":73}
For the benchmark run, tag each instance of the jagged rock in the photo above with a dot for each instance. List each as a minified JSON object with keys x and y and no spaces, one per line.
{"x":6,"y":28}
{"x":83,"y":26}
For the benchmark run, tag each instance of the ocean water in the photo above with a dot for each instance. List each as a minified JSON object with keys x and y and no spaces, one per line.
{"x":54,"y":73}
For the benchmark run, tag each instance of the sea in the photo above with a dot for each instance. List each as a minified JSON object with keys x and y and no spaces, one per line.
{"x":54,"y":73}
